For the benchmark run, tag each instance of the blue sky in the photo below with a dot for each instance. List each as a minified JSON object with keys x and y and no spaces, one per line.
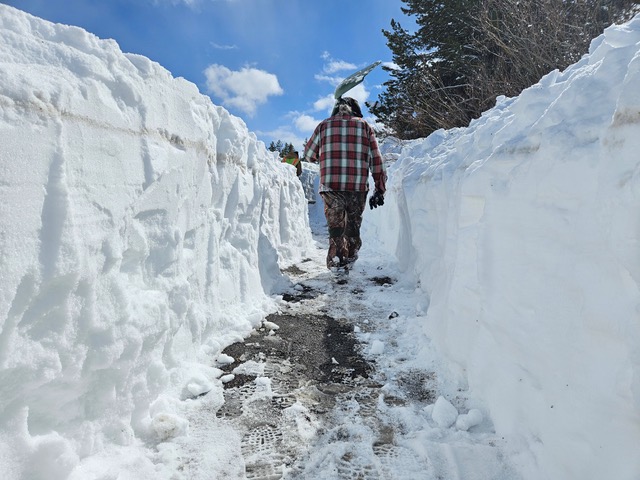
{"x":274,"y":63}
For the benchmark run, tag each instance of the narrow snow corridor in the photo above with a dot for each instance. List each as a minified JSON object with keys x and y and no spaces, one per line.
{"x":165,"y":312}
{"x":308,"y":395}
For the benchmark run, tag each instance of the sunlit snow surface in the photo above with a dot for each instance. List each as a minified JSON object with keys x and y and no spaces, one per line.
{"x":523,"y":231}
{"x":143,"y":229}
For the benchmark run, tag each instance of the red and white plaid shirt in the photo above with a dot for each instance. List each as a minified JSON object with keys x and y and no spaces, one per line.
{"x":346,"y":149}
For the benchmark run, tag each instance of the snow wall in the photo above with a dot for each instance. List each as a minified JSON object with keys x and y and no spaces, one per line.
{"x":523,"y":231}
{"x":141,"y":231}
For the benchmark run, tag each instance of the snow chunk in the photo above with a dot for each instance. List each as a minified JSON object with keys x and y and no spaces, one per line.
{"x":224,"y":359}
{"x":167,"y":425}
{"x":270,"y":325}
{"x":444,"y":413}
{"x":198,"y":384}
{"x":377,"y":347}
{"x":467,"y":420}
{"x":263,"y":382}
{"x":306,"y":425}
{"x":249,"y":368}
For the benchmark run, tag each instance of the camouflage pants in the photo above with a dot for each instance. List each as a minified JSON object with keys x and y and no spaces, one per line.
{"x":343,"y":211}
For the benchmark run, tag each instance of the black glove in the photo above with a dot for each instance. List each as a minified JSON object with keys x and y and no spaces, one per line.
{"x":376,"y":200}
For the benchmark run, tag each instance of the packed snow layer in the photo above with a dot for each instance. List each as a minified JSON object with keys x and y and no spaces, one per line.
{"x":523,"y":231}
{"x":141,"y":231}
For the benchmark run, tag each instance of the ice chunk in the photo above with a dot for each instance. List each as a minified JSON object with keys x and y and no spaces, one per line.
{"x":377,"y":348}
{"x":468,"y":420}
{"x":167,"y":425}
{"x":444,"y":413}
{"x":224,"y":359}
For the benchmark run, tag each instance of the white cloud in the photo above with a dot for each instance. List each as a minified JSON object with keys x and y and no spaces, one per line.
{"x":337,"y":66}
{"x":189,"y":3}
{"x":360,"y":93}
{"x":324,"y":104}
{"x":244,"y":89}
{"x":326,"y":78}
{"x":285,"y":134}
{"x":217,"y":46}
{"x":306,"y":123}
{"x":332,"y":65}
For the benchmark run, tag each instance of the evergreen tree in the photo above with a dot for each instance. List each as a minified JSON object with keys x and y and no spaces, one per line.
{"x":287,"y":149}
{"x":435,"y":68}
{"x":464,"y":53}
{"x":282,"y":148}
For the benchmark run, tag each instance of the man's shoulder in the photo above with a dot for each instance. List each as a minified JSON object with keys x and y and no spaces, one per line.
{"x":322,"y":123}
{"x":344,"y":118}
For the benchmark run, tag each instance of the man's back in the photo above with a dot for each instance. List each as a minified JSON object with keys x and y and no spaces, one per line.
{"x":346,"y":148}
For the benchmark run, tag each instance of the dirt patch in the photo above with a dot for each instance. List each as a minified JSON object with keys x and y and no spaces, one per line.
{"x":323,"y":347}
{"x":383,"y":281}
{"x":308,"y":356}
{"x":294,"y":269}
{"x":302,"y":292}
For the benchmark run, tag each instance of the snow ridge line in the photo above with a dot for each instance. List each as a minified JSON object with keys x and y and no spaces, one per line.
{"x":173,"y":139}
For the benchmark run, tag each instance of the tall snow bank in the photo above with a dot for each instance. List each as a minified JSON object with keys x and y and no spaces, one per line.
{"x":523,"y":230}
{"x":141,"y":230}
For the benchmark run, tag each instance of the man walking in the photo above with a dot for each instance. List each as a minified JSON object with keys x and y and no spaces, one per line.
{"x":346,"y":148}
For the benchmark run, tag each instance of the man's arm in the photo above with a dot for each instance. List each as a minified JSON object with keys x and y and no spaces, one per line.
{"x":311,"y":149}
{"x":376,"y":164}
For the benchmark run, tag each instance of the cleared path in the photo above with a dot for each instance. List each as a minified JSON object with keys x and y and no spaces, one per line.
{"x":309,"y":397}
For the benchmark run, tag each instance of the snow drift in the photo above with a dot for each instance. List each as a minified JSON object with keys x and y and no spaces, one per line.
{"x":141,"y":231}
{"x":523,"y":231}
